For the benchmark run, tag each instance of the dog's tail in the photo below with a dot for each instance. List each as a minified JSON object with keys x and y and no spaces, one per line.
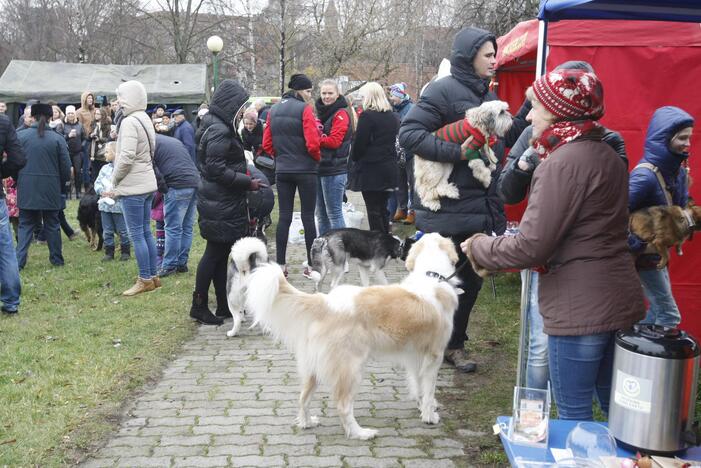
{"x":279,"y":308}
{"x":315,"y":253}
{"x":247,"y":253}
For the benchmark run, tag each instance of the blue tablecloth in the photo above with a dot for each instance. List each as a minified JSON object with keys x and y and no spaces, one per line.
{"x":557,"y":438}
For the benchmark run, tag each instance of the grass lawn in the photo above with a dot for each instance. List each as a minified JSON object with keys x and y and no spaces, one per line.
{"x":78,"y":349}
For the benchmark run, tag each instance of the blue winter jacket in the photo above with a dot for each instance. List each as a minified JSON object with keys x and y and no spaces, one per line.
{"x":186,"y":134}
{"x":643,"y":187}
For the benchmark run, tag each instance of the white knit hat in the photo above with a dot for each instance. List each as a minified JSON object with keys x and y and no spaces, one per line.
{"x":70,"y":109}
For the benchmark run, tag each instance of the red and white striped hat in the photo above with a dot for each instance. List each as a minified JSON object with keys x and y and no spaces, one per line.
{"x":571,"y":94}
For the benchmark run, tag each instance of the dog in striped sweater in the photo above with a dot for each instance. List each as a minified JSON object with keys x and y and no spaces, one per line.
{"x":484,"y":124}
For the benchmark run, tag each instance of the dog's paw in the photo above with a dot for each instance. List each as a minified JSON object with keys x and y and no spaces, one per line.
{"x":433,"y":205}
{"x":363,"y":434}
{"x":430,"y":417}
{"x":308,"y":422}
{"x":232,"y":332}
{"x":449,"y":191}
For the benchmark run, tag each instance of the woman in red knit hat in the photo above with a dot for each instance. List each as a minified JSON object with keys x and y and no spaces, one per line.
{"x":574,"y":231}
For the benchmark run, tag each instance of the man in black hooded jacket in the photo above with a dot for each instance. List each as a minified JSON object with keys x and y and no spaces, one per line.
{"x":445,"y":100}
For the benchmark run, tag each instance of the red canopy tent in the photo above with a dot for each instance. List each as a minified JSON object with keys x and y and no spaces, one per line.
{"x":643,"y":65}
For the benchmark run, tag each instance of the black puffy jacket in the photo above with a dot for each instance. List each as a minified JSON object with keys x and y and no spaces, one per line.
{"x":445,"y":101}
{"x":221,"y":198}
{"x":10,"y":145}
{"x":513,"y":183}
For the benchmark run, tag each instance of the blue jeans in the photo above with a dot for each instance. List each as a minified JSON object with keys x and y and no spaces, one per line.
{"x":111,"y":223}
{"x":537,"y":367}
{"x":329,"y":202}
{"x":581,"y":367}
{"x":10,"y":285}
{"x":657,"y":287}
{"x":31,"y":220}
{"x":179,"y":208}
{"x":137,"y":214}
{"x":85,"y":170}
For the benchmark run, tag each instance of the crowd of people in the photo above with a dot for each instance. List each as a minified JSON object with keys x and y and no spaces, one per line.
{"x":587,"y":273}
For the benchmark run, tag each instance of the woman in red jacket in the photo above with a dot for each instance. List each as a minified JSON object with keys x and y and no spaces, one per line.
{"x":292,"y":137}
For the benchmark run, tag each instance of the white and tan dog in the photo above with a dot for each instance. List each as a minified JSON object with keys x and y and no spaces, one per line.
{"x":245,"y":255}
{"x":333,"y":335}
{"x":492,"y":118}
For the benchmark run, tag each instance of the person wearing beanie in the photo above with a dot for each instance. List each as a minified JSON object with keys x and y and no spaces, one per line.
{"x":574,"y":231}
{"x":400,"y":204}
{"x":183,"y":131}
{"x":40,"y":184}
{"x":444,"y":101}
{"x":660,"y":179}
{"x":74,"y":136}
{"x":291,"y":136}
{"x":512,"y":186}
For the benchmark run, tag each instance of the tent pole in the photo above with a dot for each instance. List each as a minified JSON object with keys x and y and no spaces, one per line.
{"x":542,"y":48}
{"x":523,"y":334}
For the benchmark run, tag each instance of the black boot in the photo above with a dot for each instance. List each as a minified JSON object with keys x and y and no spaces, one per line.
{"x":109,"y":253}
{"x":200,"y":311}
{"x":223,"y":311}
{"x":125,"y":250}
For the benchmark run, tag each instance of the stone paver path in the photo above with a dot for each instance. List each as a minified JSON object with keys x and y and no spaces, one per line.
{"x":232,"y":402}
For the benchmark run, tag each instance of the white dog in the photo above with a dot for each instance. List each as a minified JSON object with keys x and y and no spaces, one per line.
{"x":333,"y":335}
{"x":245,"y":254}
{"x":492,"y":118}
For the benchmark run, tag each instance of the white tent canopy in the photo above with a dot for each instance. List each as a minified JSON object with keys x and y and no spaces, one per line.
{"x":64,"y":82}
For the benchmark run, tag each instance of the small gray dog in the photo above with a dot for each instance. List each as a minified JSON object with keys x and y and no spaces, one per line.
{"x":369,"y":249}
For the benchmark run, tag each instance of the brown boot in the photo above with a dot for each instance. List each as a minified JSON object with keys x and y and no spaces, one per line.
{"x":458,"y":358}
{"x":141,"y":285}
{"x":410,"y":218}
{"x":399,"y":216}
{"x":156,"y":282}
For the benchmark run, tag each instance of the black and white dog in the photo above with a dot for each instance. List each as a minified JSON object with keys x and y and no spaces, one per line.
{"x":369,"y":249}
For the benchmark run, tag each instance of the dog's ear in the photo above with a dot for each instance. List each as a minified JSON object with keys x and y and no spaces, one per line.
{"x":449,"y":248}
{"x":413,"y":253}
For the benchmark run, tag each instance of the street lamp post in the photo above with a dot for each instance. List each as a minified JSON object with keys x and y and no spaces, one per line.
{"x":215,"y":44}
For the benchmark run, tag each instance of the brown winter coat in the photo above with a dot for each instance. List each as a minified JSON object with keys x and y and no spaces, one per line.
{"x":576,"y":227}
{"x":85,"y":114}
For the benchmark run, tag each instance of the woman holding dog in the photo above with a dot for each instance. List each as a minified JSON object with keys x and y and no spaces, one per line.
{"x":374,"y":172}
{"x":666,"y":149}
{"x":574,"y":231}
{"x":338,"y":121}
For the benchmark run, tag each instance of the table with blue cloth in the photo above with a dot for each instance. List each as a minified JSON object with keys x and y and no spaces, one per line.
{"x":557,"y":437}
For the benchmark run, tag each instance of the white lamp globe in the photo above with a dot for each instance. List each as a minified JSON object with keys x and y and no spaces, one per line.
{"x":215,"y":44}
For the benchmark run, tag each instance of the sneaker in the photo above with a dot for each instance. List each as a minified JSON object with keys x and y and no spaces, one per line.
{"x":163,"y":272}
{"x":458,"y":358}
{"x":9,"y":311}
{"x":182,"y":269}
{"x":307,"y":272}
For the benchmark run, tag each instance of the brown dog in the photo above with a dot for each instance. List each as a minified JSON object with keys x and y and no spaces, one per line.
{"x":665,"y":226}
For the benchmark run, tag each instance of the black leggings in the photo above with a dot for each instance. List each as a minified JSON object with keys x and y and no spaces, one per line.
{"x":212,"y":269}
{"x":376,"y":206}
{"x":471,"y":284}
{"x":77,"y":162}
{"x":286,"y":186}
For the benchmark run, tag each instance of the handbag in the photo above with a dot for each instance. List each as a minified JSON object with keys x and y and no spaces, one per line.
{"x":264,"y":161}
